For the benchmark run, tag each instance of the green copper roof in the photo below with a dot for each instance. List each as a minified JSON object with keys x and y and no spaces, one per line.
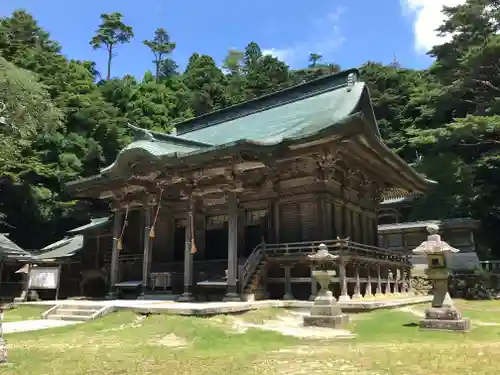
{"x":156,"y":146}
{"x":96,"y":223}
{"x":305,"y":113}
{"x":64,"y":248}
{"x":10,"y":250}
{"x":272,"y":125}
{"x":288,"y":114}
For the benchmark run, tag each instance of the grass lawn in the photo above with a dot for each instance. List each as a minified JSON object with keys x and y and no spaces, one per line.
{"x":386,"y":342}
{"x":24,"y":313}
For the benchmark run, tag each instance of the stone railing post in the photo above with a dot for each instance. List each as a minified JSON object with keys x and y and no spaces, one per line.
{"x":397,"y":279}
{"x":368,"y":288}
{"x":388,"y":290}
{"x":343,"y":282}
{"x":378,"y":290}
{"x":357,"y":285}
{"x":288,"y":283}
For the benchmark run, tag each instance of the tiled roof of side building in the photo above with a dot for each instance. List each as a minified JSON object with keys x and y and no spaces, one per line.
{"x":397,"y":195}
{"x":10,"y":250}
{"x":460,"y":222}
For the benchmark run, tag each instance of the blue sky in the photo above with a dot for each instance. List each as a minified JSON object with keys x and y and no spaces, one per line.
{"x":347,"y":32}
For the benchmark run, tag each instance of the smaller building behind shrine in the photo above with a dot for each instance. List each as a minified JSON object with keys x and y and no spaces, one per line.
{"x":395,"y":232}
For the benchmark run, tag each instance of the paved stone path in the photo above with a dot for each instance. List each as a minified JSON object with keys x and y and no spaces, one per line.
{"x":210,"y":308}
{"x":34,"y":325}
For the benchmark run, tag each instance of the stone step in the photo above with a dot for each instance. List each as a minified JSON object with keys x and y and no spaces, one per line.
{"x":77,"y":312}
{"x":81,"y":307}
{"x":79,"y":318}
{"x":71,"y":311}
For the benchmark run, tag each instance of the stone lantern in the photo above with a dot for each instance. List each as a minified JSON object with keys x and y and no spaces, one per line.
{"x":442,"y":314}
{"x":326,"y":312}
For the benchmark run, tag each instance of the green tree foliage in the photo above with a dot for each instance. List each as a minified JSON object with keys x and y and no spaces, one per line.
{"x":445,"y":119}
{"x":313,"y":59}
{"x":161,"y":46}
{"x":264,"y":73}
{"x":111,"y":32}
{"x":206,"y":83}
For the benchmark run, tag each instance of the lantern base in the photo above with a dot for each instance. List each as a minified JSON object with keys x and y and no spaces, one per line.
{"x":445,"y":319}
{"x":326,"y":312}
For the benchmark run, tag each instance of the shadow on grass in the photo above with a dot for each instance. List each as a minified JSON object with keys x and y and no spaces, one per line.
{"x":411,"y":325}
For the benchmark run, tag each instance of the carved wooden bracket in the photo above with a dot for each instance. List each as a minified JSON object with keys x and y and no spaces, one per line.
{"x":325,"y":162}
{"x":327,"y":159}
{"x":269,"y":181}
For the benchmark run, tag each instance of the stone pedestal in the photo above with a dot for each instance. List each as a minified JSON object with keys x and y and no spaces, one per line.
{"x":326,"y":312}
{"x":446,"y":319}
{"x":442,"y":315}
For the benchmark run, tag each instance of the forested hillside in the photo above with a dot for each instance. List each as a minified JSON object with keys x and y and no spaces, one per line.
{"x":64,"y":120}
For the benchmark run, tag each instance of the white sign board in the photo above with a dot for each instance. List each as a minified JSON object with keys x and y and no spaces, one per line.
{"x":43,"y":278}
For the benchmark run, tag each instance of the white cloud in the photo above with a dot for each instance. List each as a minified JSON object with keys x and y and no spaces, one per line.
{"x":427,"y":17}
{"x":325,"y":38}
{"x":281,"y":54}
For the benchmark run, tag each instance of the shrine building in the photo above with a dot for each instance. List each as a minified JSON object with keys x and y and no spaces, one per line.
{"x":231,"y":203}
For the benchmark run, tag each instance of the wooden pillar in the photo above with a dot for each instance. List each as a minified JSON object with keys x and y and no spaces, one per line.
{"x":199,"y":234}
{"x":325,"y":218}
{"x":288,"y":283}
{"x":343,"y":281}
{"x":314,"y":285}
{"x":375,"y":232}
{"x":232,"y":249}
{"x":146,"y":249}
{"x":378,"y":291}
{"x":113,"y":273}
{"x":276,"y":220}
{"x":357,"y":285}
{"x":343,"y":211}
{"x":187,"y":295}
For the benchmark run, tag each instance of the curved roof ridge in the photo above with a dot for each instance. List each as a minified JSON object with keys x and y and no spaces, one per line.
{"x":142,"y":134}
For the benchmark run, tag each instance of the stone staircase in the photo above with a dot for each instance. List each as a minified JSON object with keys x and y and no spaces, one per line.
{"x":77,"y":312}
{"x":253,"y":287}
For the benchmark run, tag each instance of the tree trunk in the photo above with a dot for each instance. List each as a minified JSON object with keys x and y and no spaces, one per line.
{"x":110,"y":57}
{"x":157,"y":75}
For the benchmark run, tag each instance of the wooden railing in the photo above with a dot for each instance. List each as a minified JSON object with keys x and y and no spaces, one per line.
{"x":338,"y":247}
{"x":490,"y":265}
{"x":250,"y":265}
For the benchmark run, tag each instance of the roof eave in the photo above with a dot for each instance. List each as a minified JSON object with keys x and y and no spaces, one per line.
{"x":351,"y":125}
